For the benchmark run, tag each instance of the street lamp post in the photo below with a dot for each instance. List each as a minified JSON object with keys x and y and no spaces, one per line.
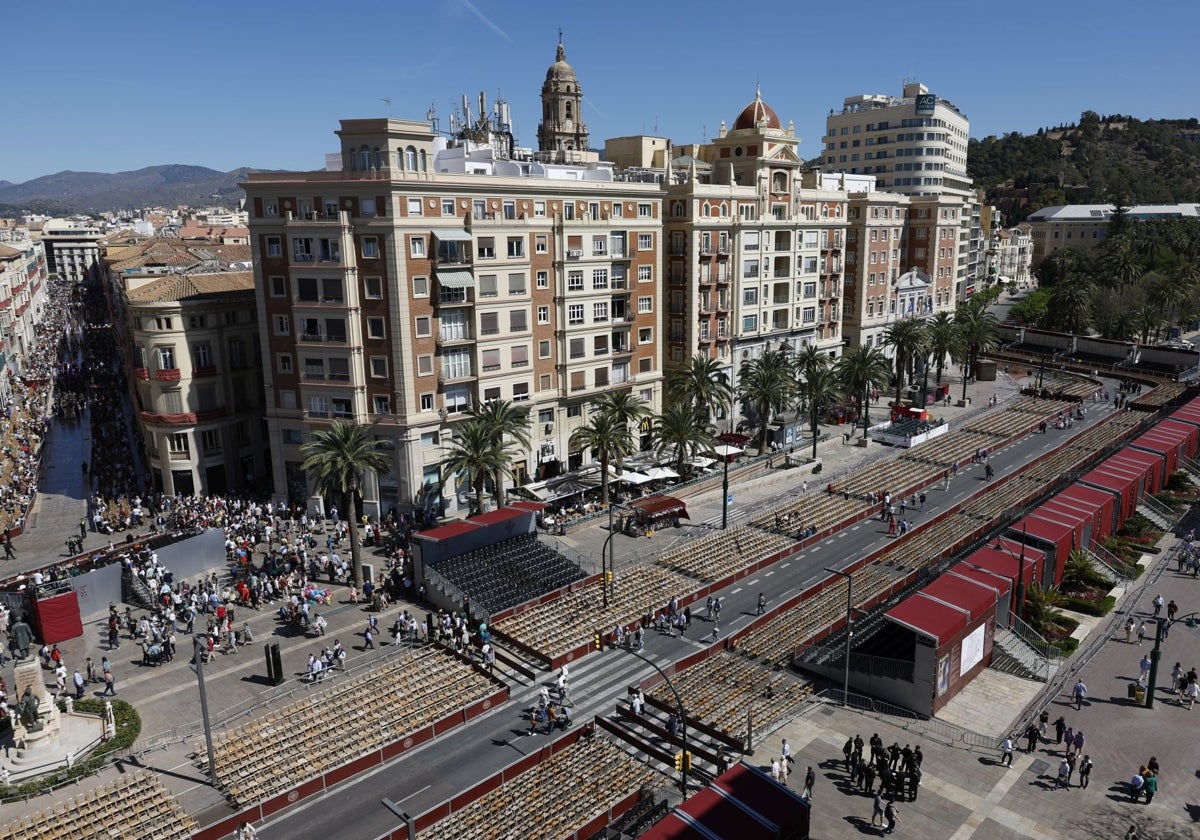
{"x":682,"y":718}
{"x":725,"y":494}
{"x":1156,"y":655}
{"x":198,"y":655}
{"x":849,"y":631}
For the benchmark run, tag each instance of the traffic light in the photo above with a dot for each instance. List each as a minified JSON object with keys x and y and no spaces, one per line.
{"x":598,"y":639}
{"x":687,"y":759}
{"x":608,"y":577}
{"x":679,"y":761}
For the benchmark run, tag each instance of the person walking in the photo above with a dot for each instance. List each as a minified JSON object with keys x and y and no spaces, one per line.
{"x":1150,"y":786}
{"x":1064,"y":775}
{"x":1006,"y":751}
{"x":1060,"y":729}
{"x":1085,"y":771}
{"x":1080,"y":692}
{"x":892,"y":814}
{"x":1144,"y":666}
{"x":110,"y":682}
{"x":1129,"y":625}
{"x":762,"y":603}
{"x":1158,"y":604}
{"x":1141,"y":631}
{"x":877,"y":809}
{"x":1172,"y":608}
{"x":810,"y":779}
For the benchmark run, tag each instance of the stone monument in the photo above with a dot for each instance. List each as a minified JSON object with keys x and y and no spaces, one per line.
{"x":38,"y":724}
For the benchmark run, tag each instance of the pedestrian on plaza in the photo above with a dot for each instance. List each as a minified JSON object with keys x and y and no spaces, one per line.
{"x":1141,"y":632}
{"x":847,"y":752}
{"x":1172,"y":608}
{"x":988,"y":472}
{"x":1031,"y":738}
{"x":83,"y":529}
{"x":368,"y":640}
{"x":1006,"y":751}
{"x":9,"y":554}
{"x":922,"y":502}
{"x":1077,"y":745}
{"x":1069,"y":740}
{"x":110,"y":683}
{"x":1150,"y":786}
{"x":1144,"y":666}
{"x":762,"y":603}
{"x":1158,"y":604}
{"x":777,"y":771}
{"x":1085,"y":771}
{"x":246,"y":832}
{"x":1060,"y":728}
{"x":1136,"y":783}
{"x":810,"y":779}
{"x":1132,"y":833}
{"x":1192,"y":690}
{"x":877,"y":809}
{"x":1064,"y":775}
{"x":1129,"y":625}
{"x":1080,"y":692}
{"x":892,"y":814}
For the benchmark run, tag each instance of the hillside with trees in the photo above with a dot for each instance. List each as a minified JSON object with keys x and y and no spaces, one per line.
{"x":1113,"y":159}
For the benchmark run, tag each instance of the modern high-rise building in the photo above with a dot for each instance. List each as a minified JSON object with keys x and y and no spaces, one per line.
{"x":914,"y":145}
{"x":72,"y":248}
{"x":428,"y":274}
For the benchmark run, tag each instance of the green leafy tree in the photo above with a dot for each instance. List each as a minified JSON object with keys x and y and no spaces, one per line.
{"x":820,"y":386}
{"x":504,"y":420}
{"x":769,"y":385}
{"x":703,"y":385}
{"x":1070,"y":306}
{"x":477,"y":452}
{"x":624,"y":407}
{"x":609,"y":439}
{"x":677,"y":430}
{"x":859,"y":370}
{"x":907,"y":337}
{"x":338,"y":459}
{"x":944,"y":340}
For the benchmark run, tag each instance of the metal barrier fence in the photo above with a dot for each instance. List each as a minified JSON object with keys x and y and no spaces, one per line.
{"x":939,"y":730}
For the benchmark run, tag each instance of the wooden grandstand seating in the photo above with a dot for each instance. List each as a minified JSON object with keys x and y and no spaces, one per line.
{"x":135,"y":805}
{"x":270,"y":754}
{"x":820,"y":510}
{"x":723,"y":688}
{"x":720,"y":553}
{"x":557,"y":626}
{"x":552,"y":799}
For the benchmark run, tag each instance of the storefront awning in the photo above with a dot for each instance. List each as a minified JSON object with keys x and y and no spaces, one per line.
{"x":456,"y":279}
{"x":452,"y":235}
{"x":653,"y":506}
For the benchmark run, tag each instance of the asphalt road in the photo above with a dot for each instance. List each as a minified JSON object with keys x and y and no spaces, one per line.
{"x":434,"y":772}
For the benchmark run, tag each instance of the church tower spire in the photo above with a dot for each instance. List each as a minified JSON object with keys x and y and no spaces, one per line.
{"x":562,"y":128}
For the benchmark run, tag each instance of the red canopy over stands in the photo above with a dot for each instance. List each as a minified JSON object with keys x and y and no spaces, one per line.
{"x":928,"y":617}
{"x":498,"y":515}
{"x":652,"y":506}
{"x":977,"y":599}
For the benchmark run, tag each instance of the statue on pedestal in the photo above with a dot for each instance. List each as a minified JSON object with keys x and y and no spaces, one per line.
{"x":28,"y":711}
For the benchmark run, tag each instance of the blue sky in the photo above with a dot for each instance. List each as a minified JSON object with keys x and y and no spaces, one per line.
{"x":263,"y":83}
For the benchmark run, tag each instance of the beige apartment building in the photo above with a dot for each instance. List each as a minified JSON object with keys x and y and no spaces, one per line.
{"x":427,"y":275}
{"x":1085,"y":225}
{"x":23,"y":276}
{"x":754,"y":255}
{"x":191,"y":350}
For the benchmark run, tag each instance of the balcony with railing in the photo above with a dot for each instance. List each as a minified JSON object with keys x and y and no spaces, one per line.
{"x":311,"y":218}
{"x":167,"y":374}
{"x":319,"y":376}
{"x":450,"y":339}
{"x":204,"y":370}
{"x":140,"y":372}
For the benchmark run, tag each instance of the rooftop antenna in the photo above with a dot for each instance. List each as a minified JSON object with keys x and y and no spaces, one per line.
{"x":387,"y":100}
{"x":432,"y":116}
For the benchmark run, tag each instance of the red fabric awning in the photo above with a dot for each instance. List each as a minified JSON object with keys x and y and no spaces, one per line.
{"x":653,"y":506}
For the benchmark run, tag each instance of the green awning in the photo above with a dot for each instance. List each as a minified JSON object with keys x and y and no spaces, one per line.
{"x":452,"y":235}
{"x":456,"y":279}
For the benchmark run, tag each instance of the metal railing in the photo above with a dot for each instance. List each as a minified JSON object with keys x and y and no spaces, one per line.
{"x":946,"y":733}
{"x":1035,"y":640}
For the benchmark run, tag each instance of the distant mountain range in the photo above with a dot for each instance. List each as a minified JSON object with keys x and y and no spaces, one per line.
{"x":92,"y":192}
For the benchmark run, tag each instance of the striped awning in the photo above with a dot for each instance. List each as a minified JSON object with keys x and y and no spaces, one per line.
{"x":456,"y":279}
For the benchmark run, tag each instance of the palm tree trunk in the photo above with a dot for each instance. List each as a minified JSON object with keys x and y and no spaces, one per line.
{"x":899,"y":376}
{"x":498,"y":479}
{"x":604,"y":480}
{"x":813,"y":416}
{"x":762,"y":431}
{"x":350,"y":505}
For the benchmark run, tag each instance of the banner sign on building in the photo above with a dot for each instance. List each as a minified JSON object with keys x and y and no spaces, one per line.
{"x":926,"y":103}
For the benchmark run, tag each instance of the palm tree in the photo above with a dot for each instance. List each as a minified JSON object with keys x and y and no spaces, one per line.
{"x":1039,"y":606}
{"x":767,"y":383}
{"x":978,"y":331}
{"x":624,"y":407}
{"x":820,"y":386}
{"x":908,"y":339}
{"x":339,"y":458}
{"x":503,"y":419}
{"x":609,"y":438}
{"x":943,"y":340}
{"x":859,"y":370}
{"x":676,"y":429}
{"x":810,"y":358}
{"x":476,"y":451}
{"x":702,"y":384}
{"x":1070,"y":305}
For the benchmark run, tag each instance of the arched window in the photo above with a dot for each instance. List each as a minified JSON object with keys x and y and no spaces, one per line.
{"x":364,"y":159}
{"x":704,"y":209}
{"x":410,"y":159}
{"x":568,"y":109}
{"x":677,"y":208}
{"x":353,"y":159}
{"x":400,"y":159}
{"x":378,"y":158}
{"x":423,"y":160}
{"x":724,"y":209}
{"x":779,"y":181}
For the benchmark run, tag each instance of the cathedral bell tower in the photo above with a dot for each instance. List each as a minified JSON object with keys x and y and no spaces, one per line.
{"x":562,"y":128}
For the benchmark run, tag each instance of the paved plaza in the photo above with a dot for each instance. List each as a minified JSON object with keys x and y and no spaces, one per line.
{"x":964,"y":794}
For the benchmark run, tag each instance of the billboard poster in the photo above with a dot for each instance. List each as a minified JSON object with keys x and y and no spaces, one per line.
{"x":943,"y":675}
{"x":926,"y":104}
